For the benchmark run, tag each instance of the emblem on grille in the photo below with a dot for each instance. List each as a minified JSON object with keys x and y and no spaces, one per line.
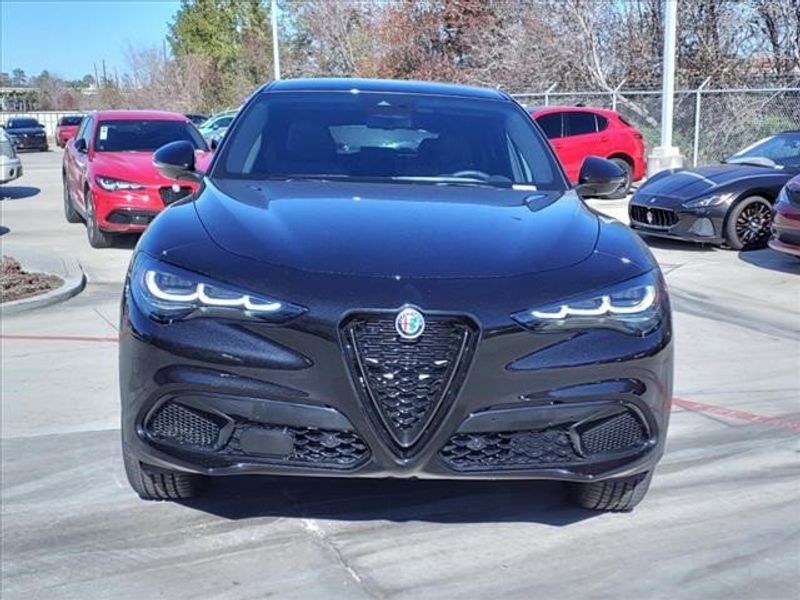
{"x":649,"y":216}
{"x":409,"y":323}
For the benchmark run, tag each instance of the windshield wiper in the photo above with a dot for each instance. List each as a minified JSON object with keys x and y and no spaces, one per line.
{"x":495,"y":181}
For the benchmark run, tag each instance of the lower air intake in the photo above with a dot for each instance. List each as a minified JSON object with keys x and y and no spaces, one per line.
{"x":178,"y":424}
{"x":619,"y":432}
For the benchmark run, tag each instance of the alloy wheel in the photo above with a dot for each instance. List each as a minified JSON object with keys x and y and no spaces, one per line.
{"x":753,"y":223}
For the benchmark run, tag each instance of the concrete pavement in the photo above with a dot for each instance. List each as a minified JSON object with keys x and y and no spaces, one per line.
{"x":722,"y":519}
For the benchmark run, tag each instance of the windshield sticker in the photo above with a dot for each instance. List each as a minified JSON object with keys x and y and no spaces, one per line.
{"x":104,"y":133}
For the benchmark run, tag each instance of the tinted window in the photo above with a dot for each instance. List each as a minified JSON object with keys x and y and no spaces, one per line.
{"x":70,"y":120}
{"x":783,"y":149}
{"x":143,"y":136}
{"x":393,"y":137}
{"x":551,"y":124}
{"x":602,"y":122}
{"x":579,"y":123}
{"x":22,"y":123}
{"x":85,"y":130}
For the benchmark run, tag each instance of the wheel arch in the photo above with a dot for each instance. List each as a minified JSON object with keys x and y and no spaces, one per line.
{"x":624,"y":156}
{"x":761,"y":192}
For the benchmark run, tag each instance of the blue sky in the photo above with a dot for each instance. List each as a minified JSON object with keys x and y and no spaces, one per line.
{"x":66,"y":36}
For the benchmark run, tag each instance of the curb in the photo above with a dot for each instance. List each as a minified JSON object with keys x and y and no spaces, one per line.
{"x":69,"y":270}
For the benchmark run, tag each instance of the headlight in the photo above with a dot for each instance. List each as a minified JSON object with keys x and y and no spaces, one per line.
{"x":705,"y":202}
{"x":114,"y":185}
{"x":167,"y":293}
{"x":635,"y":306}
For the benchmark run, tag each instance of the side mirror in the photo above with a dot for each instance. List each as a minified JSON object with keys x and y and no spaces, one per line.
{"x":176,"y":161}
{"x":80,"y":145}
{"x":599,"y":177}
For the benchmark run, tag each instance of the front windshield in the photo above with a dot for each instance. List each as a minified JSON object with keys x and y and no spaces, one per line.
{"x":783,"y":149}
{"x":23,"y":123}
{"x":66,"y":121}
{"x":143,"y":135}
{"x":387,"y":137}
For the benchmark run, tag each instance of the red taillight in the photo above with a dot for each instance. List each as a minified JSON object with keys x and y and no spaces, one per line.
{"x":637,"y":134}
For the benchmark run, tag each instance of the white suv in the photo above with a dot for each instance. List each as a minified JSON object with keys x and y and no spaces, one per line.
{"x":10,"y":164}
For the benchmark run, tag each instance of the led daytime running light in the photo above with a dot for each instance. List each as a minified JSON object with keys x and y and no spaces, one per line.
{"x":200,"y":295}
{"x":605,"y":308}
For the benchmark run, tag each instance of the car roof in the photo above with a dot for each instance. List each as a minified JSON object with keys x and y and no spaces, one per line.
{"x":138,"y":115}
{"x":383,"y":85}
{"x":543,"y":110}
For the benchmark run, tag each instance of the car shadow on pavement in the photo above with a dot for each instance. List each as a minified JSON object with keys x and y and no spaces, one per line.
{"x":774,"y":261}
{"x":394,"y":500}
{"x":13,"y":192}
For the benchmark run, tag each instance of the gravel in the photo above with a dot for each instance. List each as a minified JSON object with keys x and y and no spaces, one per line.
{"x":16,"y":283}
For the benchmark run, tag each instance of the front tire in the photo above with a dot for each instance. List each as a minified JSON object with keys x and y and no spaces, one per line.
{"x":97,"y":237}
{"x":748,"y":224}
{"x":616,"y":495}
{"x":159,"y":484}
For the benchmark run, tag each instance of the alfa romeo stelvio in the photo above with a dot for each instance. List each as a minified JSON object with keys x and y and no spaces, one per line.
{"x":392,"y":279}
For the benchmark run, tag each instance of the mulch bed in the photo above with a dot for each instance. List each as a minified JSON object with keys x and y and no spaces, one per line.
{"x":15,"y":283}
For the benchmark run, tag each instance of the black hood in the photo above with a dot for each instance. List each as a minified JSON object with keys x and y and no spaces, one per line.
{"x":398,"y":230}
{"x":685,"y":184}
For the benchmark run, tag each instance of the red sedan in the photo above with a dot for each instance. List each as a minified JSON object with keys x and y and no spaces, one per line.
{"x":786,"y":220}
{"x":66,"y":129}
{"x":576,"y":132}
{"x":109,"y":178}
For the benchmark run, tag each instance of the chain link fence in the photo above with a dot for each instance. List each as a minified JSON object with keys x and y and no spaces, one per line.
{"x":708,"y":125}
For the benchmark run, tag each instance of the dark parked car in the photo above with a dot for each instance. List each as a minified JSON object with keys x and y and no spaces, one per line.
{"x":26,"y":133}
{"x":730,"y":203}
{"x":786,"y":220}
{"x":364,"y":287}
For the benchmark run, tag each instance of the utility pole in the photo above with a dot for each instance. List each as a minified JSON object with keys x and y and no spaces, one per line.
{"x":667,"y":156}
{"x":276,"y":58}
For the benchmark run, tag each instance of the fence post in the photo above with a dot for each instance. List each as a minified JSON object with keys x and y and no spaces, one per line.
{"x":614,"y":95}
{"x":547,"y":94}
{"x":698,"y":95}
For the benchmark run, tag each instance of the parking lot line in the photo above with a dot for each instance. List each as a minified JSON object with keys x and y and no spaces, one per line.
{"x":742,"y":415}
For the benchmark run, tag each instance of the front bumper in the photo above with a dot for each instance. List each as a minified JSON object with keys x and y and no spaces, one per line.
{"x":289,"y":400}
{"x":704,"y":225}
{"x":786,"y":230}
{"x":10,"y":169}
{"x":30,"y":143}
{"x":132,"y":211}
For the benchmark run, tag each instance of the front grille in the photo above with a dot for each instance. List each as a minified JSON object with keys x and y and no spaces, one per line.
{"x":557,"y":446}
{"x":615,"y":433}
{"x":406,"y":382}
{"x":312,"y":446}
{"x":169,"y":195}
{"x":178,"y":424}
{"x":508,"y":449}
{"x":659,"y":217}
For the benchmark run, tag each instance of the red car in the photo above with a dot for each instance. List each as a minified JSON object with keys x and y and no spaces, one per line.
{"x":66,"y":129}
{"x":109,"y":178}
{"x":786,"y":220}
{"x":576,"y":132}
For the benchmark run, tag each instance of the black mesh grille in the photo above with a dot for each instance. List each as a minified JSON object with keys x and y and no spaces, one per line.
{"x":615,"y":433}
{"x":312,"y":447}
{"x":659,"y":217}
{"x":178,"y":424}
{"x":623,"y":432}
{"x":169,"y":195}
{"x":509,"y":449}
{"x":407,"y":381}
